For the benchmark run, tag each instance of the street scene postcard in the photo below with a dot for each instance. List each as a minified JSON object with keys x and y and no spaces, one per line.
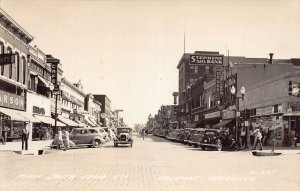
{"x":150,"y":95}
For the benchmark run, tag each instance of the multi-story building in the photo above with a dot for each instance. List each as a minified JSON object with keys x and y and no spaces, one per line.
{"x":93,"y":108}
{"x":72,"y":104}
{"x":14,"y":43}
{"x":193,"y":66}
{"x":105,"y":109}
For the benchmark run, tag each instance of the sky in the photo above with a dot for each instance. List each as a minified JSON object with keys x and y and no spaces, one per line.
{"x":129,"y":50}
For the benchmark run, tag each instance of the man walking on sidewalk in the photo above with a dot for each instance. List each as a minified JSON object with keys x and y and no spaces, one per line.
{"x":25,"y":136}
{"x":258,"y":140}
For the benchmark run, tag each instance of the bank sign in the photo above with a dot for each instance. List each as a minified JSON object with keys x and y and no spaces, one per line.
{"x":206,"y":60}
{"x":11,"y":101}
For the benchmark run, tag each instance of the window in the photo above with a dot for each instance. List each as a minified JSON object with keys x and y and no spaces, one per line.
{"x":24,"y":69}
{"x":18,"y":67}
{"x":9,"y":50}
{"x":206,"y":69}
{"x":2,"y":52}
{"x":191,"y":69}
{"x":196,"y":69}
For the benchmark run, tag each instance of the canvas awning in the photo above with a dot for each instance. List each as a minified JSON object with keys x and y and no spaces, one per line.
{"x":28,"y":116}
{"x":93,"y":121}
{"x":80,"y":123}
{"x":89,"y":122}
{"x":48,"y":120}
{"x":44,"y":82}
{"x":222,"y":123}
{"x":13,"y":114}
{"x":68,"y":122}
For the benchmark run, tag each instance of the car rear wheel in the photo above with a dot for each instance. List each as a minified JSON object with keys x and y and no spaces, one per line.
{"x":115,"y":144}
{"x":203,"y":147}
{"x":195,"y":145}
{"x":219,"y":145}
{"x":96,"y":143}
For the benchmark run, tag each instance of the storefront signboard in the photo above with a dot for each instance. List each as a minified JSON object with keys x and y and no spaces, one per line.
{"x":11,"y":101}
{"x":212,"y":115}
{"x":228,"y":114}
{"x":206,"y":60}
{"x":264,"y":111}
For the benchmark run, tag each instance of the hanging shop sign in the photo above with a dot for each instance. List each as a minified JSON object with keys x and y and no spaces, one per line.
{"x":206,"y":60}
{"x":11,"y":101}
{"x":264,"y":111}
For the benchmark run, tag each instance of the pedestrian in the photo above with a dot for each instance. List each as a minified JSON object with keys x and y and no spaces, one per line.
{"x":1,"y":136}
{"x":59,"y":138}
{"x":243,"y":137}
{"x":252,"y":136}
{"x":264,"y":136}
{"x":25,"y":136}
{"x":258,"y":138}
{"x":143,"y":132}
{"x":67,"y":139}
{"x":5,"y":132}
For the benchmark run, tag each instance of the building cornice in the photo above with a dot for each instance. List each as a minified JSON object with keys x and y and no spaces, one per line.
{"x":14,"y":27}
{"x":70,"y":85}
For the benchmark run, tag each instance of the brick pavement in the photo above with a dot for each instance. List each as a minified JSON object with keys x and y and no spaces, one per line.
{"x":152,"y":164}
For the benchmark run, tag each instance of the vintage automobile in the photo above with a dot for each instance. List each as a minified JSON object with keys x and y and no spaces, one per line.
{"x":197,"y":137}
{"x":189,"y":137}
{"x":82,"y":137}
{"x":219,"y":139}
{"x":123,"y":136}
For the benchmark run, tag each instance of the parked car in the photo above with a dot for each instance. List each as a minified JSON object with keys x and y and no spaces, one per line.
{"x":197,"y":137}
{"x":83,"y":137}
{"x":123,"y":136}
{"x":219,"y":139}
{"x":188,"y":138}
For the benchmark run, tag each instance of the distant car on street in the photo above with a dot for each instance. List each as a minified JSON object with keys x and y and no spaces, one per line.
{"x":123,"y":136}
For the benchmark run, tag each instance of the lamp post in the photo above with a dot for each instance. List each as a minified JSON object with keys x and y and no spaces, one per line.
{"x":233,"y":92}
{"x":55,"y":111}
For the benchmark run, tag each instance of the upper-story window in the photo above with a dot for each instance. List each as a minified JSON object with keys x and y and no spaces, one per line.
{"x":24,"y":69}
{"x":206,"y":69}
{"x":2,"y":52}
{"x":10,"y":69}
{"x":18,"y":66}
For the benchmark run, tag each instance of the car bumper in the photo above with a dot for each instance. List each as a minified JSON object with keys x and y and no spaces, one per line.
{"x":206,"y":145}
{"x":123,"y":142}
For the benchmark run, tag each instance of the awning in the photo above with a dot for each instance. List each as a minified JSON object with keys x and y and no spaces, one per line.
{"x":222,"y":123}
{"x":292,"y":113}
{"x":68,"y":122}
{"x":44,"y":82}
{"x":28,"y":116}
{"x":48,"y":120}
{"x":13,"y":114}
{"x":89,"y":122}
{"x":33,"y":73}
{"x":80,"y":123}
{"x":93,"y":121}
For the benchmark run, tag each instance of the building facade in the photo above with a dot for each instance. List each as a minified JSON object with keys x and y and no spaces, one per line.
{"x":106,"y":112}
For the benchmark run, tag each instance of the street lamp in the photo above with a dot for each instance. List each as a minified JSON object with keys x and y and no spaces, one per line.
{"x":51,"y":87}
{"x":233,"y":92}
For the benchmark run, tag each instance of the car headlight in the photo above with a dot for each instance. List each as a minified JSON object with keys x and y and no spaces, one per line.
{"x":205,"y":141}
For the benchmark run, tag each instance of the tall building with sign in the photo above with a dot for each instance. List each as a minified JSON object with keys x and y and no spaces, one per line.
{"x":193,"y":66}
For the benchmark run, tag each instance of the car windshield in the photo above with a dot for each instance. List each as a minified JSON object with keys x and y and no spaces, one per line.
{"x":121,"y":130}
{"x":200,"y":132}
{"x":192,"y":131}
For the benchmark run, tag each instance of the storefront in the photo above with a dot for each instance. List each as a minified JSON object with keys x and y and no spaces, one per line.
{"x":211,"y":119}
{"x":13,"y":115}
{"x":228,"y":121}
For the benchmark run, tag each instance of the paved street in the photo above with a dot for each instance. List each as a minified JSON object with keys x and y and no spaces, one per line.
{"x":152,"y":164}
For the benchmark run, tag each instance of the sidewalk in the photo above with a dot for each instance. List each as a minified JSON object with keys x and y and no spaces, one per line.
{"x":284,"y":150}
{"x":32,"y":145}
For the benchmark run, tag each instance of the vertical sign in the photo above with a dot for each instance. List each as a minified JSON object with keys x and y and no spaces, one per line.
{"x":218,"y":81}
{"x":54,"y":69}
